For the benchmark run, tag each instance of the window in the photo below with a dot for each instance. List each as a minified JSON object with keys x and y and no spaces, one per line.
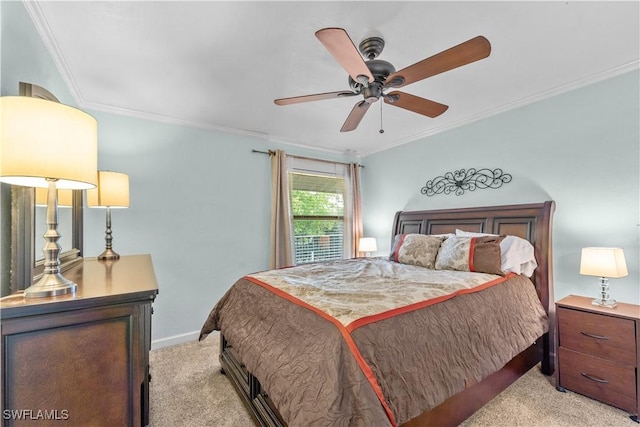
{"x":320,"y":202}
{"x":317,"y":207}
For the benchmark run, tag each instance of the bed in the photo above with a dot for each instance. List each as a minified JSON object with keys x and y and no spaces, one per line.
{"x":293,"y":363}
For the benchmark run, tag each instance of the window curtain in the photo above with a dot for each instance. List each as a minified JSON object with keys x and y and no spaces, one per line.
{"x":356,"y":208}
{"x":281,"y":244}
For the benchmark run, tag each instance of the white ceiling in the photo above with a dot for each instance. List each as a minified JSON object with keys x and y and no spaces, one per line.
{"x":220,"y":65}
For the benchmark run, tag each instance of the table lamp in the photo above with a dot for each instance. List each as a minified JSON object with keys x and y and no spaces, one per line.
{"x":51,"y":145}
{"x":112,"y":192}
{"x":367,"y":245}
{"x":604,"y":263}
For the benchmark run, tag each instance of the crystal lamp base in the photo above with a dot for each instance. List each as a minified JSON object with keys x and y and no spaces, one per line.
{"x":604,"y":300}
{"x":609,"y":303}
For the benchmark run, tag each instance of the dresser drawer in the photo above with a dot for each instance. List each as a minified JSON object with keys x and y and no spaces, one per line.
{"x":599,"y":379}
{"x":607,"y":337}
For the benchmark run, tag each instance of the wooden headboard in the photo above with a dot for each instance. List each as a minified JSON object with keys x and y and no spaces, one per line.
{"x":529,"y":221}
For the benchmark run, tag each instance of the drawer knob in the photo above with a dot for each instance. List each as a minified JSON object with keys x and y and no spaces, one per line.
{"x":592,"y":378}
{"x":598,"y":337}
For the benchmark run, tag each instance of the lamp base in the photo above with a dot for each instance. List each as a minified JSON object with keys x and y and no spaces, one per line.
{"x":108,"y":254}
{"x":604,"y":300}
{"x":608,"y":303}
{"x":50,"y":285}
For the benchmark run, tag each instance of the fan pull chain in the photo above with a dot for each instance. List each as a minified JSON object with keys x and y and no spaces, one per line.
{"x":381,"y":129}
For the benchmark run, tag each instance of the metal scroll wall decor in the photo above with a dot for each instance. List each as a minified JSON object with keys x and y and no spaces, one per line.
{"x":462,"y":180}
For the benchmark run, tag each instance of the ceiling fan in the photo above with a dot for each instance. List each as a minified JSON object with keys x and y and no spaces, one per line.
{"x":372,"y":77}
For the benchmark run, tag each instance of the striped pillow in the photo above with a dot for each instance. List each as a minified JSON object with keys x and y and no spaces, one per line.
{"x":479,"y":254}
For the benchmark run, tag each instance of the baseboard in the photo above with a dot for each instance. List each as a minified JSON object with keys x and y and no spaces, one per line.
{"x":175,"y":340}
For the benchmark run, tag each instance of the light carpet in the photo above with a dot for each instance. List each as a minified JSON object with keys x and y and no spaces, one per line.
{"x":187,"y":389}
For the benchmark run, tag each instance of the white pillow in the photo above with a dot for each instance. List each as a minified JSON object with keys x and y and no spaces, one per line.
{"x":445,"y":235}
{"x":517,"y":254}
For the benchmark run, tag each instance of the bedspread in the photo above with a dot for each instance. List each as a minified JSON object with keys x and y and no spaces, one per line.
{"x":327,"y":367}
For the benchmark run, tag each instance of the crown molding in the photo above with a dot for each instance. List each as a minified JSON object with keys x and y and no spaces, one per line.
{"x":42,"y":27}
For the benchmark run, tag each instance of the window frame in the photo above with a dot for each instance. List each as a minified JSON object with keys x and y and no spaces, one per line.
{"x":327,"y":169}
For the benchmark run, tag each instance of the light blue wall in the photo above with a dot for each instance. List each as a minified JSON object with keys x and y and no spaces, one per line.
{"x":200,"y":200}
{"x":24,"y":56}
{"x":580,"y":148}
{"x":200,"y":205}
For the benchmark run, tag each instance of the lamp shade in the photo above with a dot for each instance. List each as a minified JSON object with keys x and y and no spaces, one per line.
{"x":603,"y":262}
{"x":42,"y":140}
{"x":65,"y":197}
{"x":112,"y":191}
{"x":367,"y":244}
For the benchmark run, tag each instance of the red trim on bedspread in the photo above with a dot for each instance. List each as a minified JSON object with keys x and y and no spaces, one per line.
{"x":347,"y":337}
{"x":346,"y":331}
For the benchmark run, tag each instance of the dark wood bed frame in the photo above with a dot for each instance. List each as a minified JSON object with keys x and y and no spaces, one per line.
{"x":530,"y":221}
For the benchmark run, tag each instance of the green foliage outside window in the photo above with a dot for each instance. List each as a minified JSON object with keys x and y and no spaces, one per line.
{"x":307,"y":206}
{"x":314,"y":197}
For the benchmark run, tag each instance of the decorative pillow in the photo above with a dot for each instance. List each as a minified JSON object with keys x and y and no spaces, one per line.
{"x":416,"y":249}
{"x":479,"y":254}
{"x":517,"y":253}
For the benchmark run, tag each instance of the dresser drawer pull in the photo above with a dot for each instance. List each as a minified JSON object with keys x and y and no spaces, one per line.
{"x":598,"y":337}
{"x":596,"y":379}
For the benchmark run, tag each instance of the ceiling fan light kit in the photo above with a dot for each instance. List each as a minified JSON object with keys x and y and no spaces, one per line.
{"x":370,"y":77}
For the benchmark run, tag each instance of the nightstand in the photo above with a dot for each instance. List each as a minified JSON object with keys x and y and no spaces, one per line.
{"x":598,"y":352}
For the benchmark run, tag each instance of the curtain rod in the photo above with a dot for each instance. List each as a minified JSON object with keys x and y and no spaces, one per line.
{"x":272,"y":153}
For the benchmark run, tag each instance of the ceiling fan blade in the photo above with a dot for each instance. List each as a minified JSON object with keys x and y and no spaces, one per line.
{"x":340,"y":45}
{"x":315,"y":97}
{"x":355,"y":116}
{"x":415,"y":103}
{"x":465,"y":53}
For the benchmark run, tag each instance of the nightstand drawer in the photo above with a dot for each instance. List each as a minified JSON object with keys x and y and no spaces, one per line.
{"x":600,"y":379}
{"x":606,"y":337}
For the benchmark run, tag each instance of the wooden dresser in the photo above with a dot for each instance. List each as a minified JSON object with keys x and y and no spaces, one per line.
{"x":81,"y":360}
{"x":599,"y":352}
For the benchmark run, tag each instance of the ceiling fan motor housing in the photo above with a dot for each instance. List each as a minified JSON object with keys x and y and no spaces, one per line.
{"x":380,"y":70}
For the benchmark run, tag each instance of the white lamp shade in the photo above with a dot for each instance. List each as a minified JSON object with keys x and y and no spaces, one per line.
{"x":112,"y":191}
{"x":603,"y":262}
{"x":42,"y":139}
{"x":367,"y":244}
{"x":65,"y":197}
